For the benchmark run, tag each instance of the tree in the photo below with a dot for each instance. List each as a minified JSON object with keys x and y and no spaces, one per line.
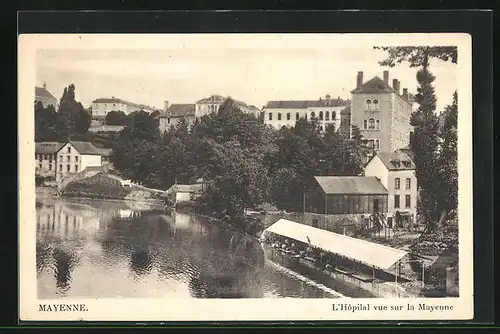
{"x":417,"y":56}
{"x":74,"y":116}
{"x":425,"y":142}
{"x":448,"y":159}
{"x":48,"y":125}
{"x":116,"y":118}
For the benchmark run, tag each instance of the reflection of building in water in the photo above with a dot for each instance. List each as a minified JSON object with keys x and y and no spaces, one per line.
{"x":66,"y":220}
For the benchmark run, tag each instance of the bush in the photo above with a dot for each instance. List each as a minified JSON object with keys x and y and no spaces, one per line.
{"x":39,"y":180}
{"x":97,"y":186}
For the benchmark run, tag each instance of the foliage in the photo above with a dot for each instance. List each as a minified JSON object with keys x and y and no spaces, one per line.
{"x":417,"y":56}
{"x":97,"y":186}
{"x":116,"y":118}
{"x":48,"y":124}
{"x":74,"y":116}
{"x":448,"y":157}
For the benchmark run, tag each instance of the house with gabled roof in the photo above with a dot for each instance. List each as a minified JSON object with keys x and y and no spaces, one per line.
{"x":396,"y":171}
{"x":285,"y":113}
{"x":45,"y":97}
{"x":60,"y":159}
{"x":382,"y":112}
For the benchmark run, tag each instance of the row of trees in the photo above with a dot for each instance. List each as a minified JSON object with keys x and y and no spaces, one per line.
{"x":69,"y":121}
{"x":243,"y":162}
{"x":434,"y":147}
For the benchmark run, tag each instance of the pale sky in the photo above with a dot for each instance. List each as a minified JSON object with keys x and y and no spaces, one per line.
{"x":253,"y":75}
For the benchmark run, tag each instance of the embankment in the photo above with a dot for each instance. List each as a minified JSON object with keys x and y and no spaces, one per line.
{"x":101,"y":186}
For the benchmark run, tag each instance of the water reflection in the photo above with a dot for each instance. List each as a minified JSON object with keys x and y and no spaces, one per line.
{"x":111,"y":249}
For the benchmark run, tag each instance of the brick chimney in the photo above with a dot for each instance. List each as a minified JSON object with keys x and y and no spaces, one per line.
{"x":405,"y":93}
{"x":166,"y":105}
{"x":395,"y":85}
{"x":386,"y":77}
{"x":359,"y":79}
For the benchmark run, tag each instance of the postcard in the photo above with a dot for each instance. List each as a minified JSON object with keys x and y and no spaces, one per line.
{"x":241,"y":177}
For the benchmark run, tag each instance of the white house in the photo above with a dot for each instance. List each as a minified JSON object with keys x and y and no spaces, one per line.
{"x":286,"y":113}
{"x":60,"y":159}
{"x":396,"y":171}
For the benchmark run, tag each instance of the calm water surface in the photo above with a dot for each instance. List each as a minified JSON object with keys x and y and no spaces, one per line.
{"x":98,"y":249}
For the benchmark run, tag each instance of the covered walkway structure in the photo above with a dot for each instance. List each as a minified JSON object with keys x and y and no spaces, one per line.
{"x":355,"y":257}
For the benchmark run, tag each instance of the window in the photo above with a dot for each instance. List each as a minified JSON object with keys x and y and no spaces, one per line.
{"x":327,"y":115}
{"x":377,"y":126}
{"x":320,"y":115}
{"x":288,"y":116}
{"x":396,"y":201}
{"x":334,"y":115}
{"x":69,"y":149}
{"x":371,"y":124}
{"x":76,"y":158}
{"x":50,"y":166}
{"x":76,"y":168}
{"x":368,"y":104}
{"x":365,"y":124}
{"x":297,"y":116}
{"x":408,"y":183}
{"x":375,"y":105}
{"x":279,"y":116}
{"x":377,"y":144}
{"x":68,"y":158}
{"x":321,"y":128}
{"x":407,"y":201}
{"x":40,"y":166}
{"x":270,"y":116}
{"x":313,"y":114}
{"x":50,"y":158}
{"x":397,"y":183}
{"x":60,"y":168}
{"x":68,"y":168}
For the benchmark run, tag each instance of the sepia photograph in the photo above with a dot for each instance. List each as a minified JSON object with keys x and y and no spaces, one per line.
{"x":182,"y":176}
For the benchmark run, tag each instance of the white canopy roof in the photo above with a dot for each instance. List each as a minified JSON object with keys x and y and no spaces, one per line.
{"x":369,"y":253}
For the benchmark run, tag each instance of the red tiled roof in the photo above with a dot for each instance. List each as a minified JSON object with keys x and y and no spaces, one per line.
{"x":353,"y":185}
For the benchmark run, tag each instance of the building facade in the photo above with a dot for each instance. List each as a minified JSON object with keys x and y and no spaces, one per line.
{"x":57,"y":160}
{"x":102,"y":106}
{"x":396,"y":171}
{"x":45,"y":97}
{"x":173,"y":113}
{"x":382,"y":113}
{"x":285,"y":113}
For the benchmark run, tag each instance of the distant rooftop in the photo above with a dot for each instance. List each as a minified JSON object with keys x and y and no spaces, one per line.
{"x":352,"y":185}
{"x":302,"y":104}
{"x":116,"y":100}
{"x":43,"y":93}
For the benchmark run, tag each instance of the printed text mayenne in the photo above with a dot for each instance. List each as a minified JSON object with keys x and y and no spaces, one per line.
{"x":62,"y":308}
{"x":346,"y":307}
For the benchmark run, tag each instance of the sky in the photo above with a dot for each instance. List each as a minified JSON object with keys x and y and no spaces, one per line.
{"x":253,"y":75}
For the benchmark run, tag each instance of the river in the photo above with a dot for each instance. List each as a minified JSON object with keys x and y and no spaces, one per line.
{"x":114,"y":249}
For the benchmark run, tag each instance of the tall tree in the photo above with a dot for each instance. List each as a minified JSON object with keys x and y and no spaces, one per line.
{"x":48,"y":125}
{"x":448,"y":159}
{"x":74,"y":116}
{"x":116,"y":118}
{"x":425,"y":142}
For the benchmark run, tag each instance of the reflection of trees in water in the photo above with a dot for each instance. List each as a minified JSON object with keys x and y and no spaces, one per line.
{"x":216,"y":287}
{"x":43,"y":256}
{"x":64,"y":262}
{"x":141,"y":262}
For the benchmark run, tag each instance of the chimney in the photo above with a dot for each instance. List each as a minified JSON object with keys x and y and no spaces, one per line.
{"x":395,"y":85}
{"x":44,"y":85}
{"x":327,"y":97}
{"x":359,"y":79}
{"x":166,"y":105}
{"x":405,"y":93}
{"x":386,"y":77}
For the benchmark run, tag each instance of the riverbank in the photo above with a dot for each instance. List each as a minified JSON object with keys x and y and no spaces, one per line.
{"x":103,"y":187}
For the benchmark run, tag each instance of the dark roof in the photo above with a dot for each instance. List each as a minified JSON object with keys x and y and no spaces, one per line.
{"x":375,"y":85}
{"x":394,"y":161}
{"x":115,"y":100}
{"x":85,"y":147}
{"x":105,"y":152}
{"x":179,"y":110}
{"x":291,"y":104}
{"x":48,"y":147}
{"x":211,"y":99}
{"x":355,"y":185}
{"x":43,"y":92}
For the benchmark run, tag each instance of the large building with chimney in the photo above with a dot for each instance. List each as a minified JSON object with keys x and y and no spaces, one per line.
{"x":326,"y":110}
{"x":382,"y":112}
